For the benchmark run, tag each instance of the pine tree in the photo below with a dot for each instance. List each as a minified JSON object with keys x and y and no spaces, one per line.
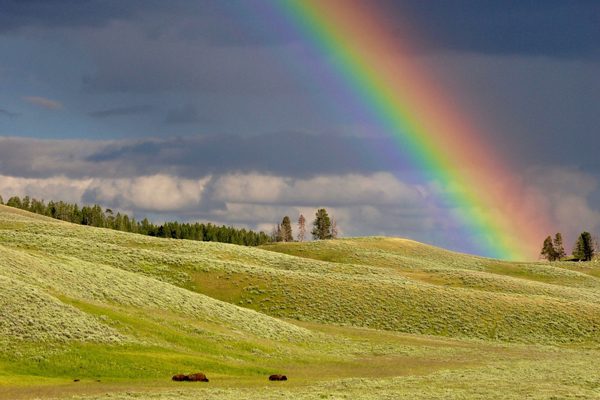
{"x":548,"y":251}
{"x":578,"y":249}
{"x":321,"y":225}
{"x":286,"y":230}
{"x":278,"y":234}
{"x":584,"y":247}
{"x":14,"y":201}
{"x":301,"y":228}
{"x":25,"y":203}
{"x":1,"y":200}
{"x":559,"y":248}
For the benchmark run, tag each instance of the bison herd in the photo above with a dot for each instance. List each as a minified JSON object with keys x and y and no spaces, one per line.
{"x":197,"y":377}
{"x":200,"y":377}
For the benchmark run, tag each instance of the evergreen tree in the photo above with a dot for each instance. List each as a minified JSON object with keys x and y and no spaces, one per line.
{"x":321,"y":225}
{"x":548,"y":251}
{"x":25,"y":203}
{"x":14,"y":201}
{"x":118,"y":222}
{"x":1,"y":200}
{"x":145,"y":227}
{"x":110,"y":218}
{"x":278,"y":233}
{"x":301,"y":228}
{"x":286,"y":230}
{"x":579,"y":249}
{"x":127,"y":225}
{"x":584,"y":247}
{"x":559,"y":248}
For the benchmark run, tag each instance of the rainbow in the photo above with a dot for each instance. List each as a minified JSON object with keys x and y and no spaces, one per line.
{"x":485,"y":196}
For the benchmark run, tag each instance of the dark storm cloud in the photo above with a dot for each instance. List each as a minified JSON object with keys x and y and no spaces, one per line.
{"x":122,"y":111}
{"x":213,"y":21}
{"x":238,"y":47}
{"x":37,"y":158}
{"x":545,"y":27}
{"x":290,"y":154}
{"x":187,"y":114}
{"x":15,"y":14}
{"x":558,"y":28}
{"x":170,"y":64}
{"x":7,"y":113}
{"x":534,"y":110}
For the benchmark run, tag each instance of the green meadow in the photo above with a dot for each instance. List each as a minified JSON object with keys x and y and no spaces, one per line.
{"x":90,"y":313}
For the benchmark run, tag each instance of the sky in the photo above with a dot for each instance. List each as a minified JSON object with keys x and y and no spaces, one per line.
{"x":221,"y":111}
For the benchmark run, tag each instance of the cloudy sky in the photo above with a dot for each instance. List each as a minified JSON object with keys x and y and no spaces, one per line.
{"x":219,"y":111}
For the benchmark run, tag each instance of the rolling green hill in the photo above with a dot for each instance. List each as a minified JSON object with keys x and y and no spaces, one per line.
{"x":365,"y":317}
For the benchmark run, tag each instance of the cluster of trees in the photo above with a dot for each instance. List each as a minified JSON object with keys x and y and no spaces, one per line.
{"x":553,"y":250}
{"x":96,"y":216}
{"x":584,"y":249}
{"x":324,"y":228}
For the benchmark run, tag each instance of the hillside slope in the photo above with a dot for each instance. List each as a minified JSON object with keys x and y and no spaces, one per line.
{"x":378,"y":283}
{"x":129,"y":310}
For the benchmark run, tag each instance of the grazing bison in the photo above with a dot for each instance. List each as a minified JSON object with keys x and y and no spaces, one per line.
{"x":197,"y":377}
{"x":278,"y":377}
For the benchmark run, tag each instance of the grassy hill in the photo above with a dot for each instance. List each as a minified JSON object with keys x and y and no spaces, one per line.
{"x":357,"y":317}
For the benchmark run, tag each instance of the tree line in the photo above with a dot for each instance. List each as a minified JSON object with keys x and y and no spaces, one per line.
{"x":585,"y":248}
{"x":324,"y":228}
{"x":96,"y":216}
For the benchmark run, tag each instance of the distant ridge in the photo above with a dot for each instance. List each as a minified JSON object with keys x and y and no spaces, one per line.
{"x":95,"y":216}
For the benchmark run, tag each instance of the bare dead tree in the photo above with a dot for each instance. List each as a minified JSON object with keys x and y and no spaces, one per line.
{"x":301,"y":228}
{"x":334,"y":229}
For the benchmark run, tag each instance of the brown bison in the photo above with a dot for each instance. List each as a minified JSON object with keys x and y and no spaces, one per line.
{"x":197,"y":377}
{"x":278,"y":377}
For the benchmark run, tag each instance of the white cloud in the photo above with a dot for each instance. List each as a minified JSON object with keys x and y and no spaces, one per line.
{"x":158,"y":193}
{"x":380,"y":188}
{"x":55,"y":188}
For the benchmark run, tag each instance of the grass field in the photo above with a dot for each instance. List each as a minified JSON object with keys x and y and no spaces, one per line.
{"x":353,"y":318}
